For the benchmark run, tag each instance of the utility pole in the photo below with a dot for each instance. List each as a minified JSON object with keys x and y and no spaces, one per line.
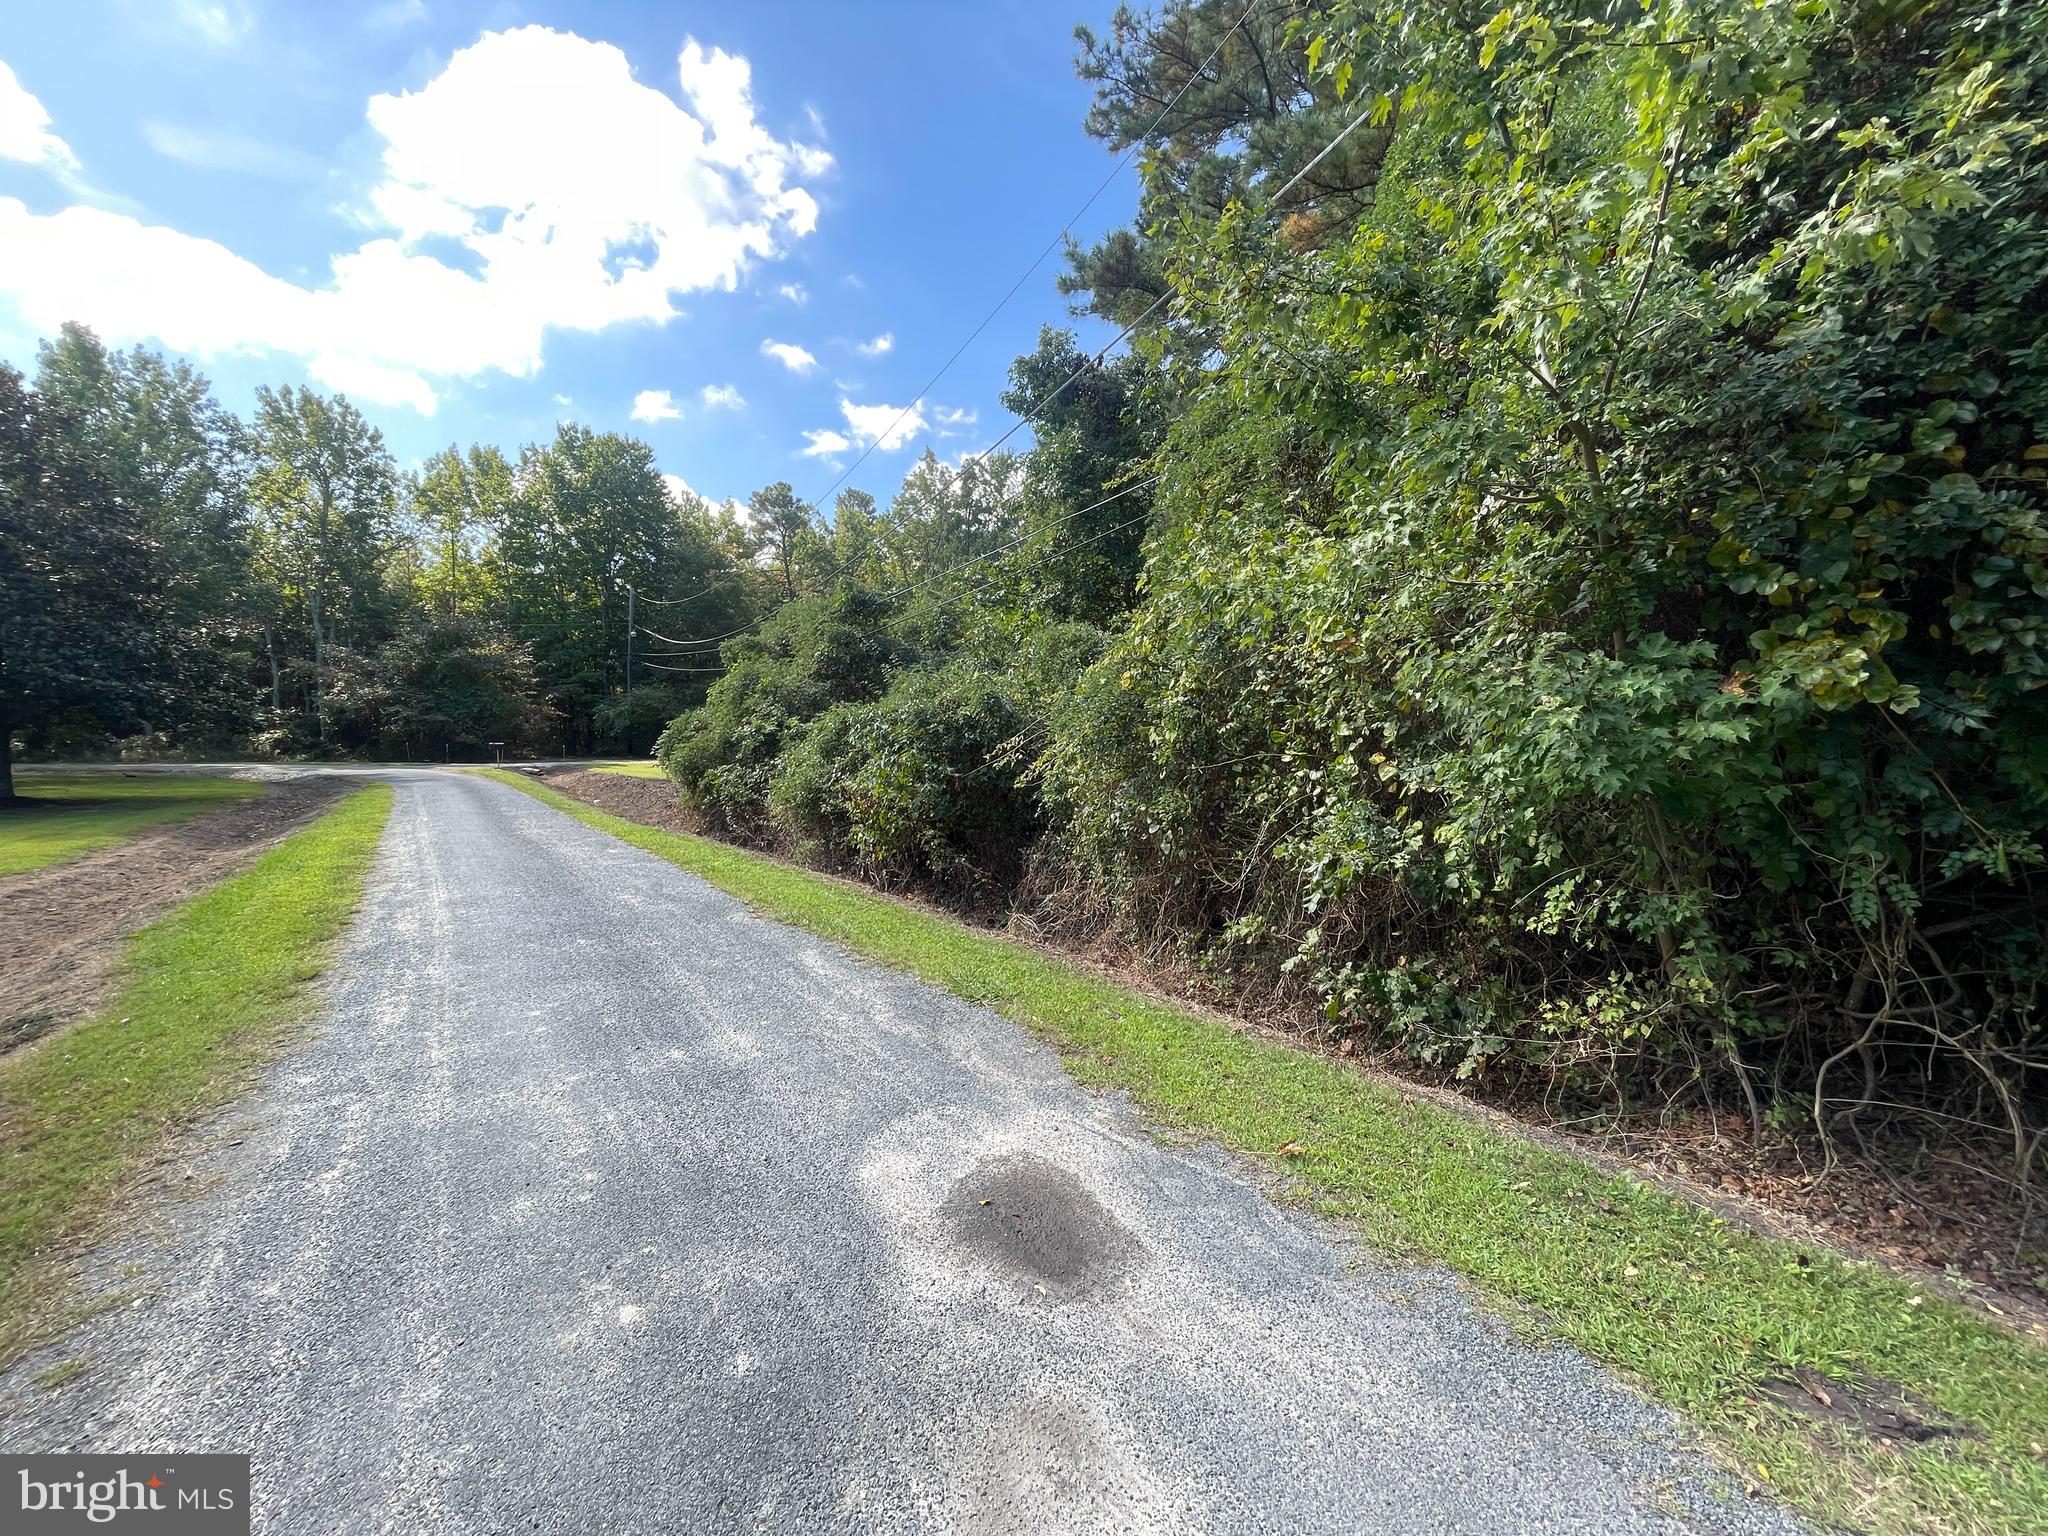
{"x":629,"y":639}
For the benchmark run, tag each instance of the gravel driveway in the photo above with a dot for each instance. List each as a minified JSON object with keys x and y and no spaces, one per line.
{"x":599,"y":1204}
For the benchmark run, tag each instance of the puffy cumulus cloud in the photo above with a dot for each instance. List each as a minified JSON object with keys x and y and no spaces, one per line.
{"x":951,"y":421}
{"x":679,"y":489}
{"x":877,"y":347}
{"x":796,"y":293}
{"x":824,"y":443}
{"x":792,"y":357}
{"x":655,"y":405}
{"x":25,"y":127}
{"x":888,"y":427}
{"x":579,"y":197}
{"x":722,"y":397}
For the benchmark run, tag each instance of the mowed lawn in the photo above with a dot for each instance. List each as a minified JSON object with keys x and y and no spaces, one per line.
{"x":209,"y":992}
{"x":68,"y":814}
{"x":633,"y":770}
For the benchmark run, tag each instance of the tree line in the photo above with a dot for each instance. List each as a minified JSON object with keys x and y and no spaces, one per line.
{"x":1588,"y":620}
{"x":179,"y":581}
{"x":1561,"y":590}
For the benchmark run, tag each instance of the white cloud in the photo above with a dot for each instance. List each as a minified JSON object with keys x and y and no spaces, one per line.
{"x":953,"y":420}
{"x":215,"y":149}
{"x":888,"y":427}
{"x":580,"y":197}
{"x":655,"y":405}
{"x":877,"y":347}
{"x":825,"y":442}
{"x":25,"y":127}
{"x":796,"y":293}
{"x":680,"y":489}
{"x":724,"y":397}
{"x":794,"y":358}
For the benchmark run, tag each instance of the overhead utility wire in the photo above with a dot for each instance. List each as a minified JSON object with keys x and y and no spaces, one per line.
{"x":1066,"y":230}
{"x":1049,"y":555}
{"x":1050,"y":395}
{"x":987,"y":554}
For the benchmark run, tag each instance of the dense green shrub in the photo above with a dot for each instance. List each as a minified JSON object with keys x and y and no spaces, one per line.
{"x":812,"y":654}
{"x":1601,"y":611}
{"x":920,"y":783}
{"x":1592,"y":622}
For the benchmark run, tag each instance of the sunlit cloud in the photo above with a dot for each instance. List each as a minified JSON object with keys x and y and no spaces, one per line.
{"x":722,"y":397}
{"x":792,"y":357}
{"x":877,"y":347}
{"x":888,"y":427}
{"x":25,"y":132}
{"x":579,"y":197}
{"x":655,"y":405}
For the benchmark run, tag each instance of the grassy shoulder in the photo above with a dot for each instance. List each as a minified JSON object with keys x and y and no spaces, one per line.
{"x":1703,"y":1315}
{"x":631,"y":770}
{"x":207,"y":993}
{"x":74,"y":813}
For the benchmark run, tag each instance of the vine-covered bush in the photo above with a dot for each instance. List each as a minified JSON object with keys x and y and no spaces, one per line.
{"x":814,"y":653}
{"x":917,"y":784}
{"x":1600,"y":614}
{"x":1592,"y":625}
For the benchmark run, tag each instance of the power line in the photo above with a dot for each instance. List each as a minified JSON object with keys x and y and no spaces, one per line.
{"x":904,"y":591}
{"x":1048,"y":556}
{"x":1095,"y":360}
{"x":1065,"y":232}
{"x":710,"y":586}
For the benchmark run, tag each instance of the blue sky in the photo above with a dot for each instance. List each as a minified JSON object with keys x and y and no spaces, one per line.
{"x":740,"y":231}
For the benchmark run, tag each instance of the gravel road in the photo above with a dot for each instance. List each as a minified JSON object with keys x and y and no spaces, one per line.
{"x":600,"y":1204}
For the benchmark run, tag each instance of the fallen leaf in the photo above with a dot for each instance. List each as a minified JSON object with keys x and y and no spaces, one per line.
{"x":984,"y":1202}
{"x":1630,"y":1272}
{"x":1291,"y":1149}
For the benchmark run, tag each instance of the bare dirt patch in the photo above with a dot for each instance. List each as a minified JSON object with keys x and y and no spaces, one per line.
{"x":651,"y":802}
{"x":1883,"y":1410}
{"x":1022,"y":1214}
{"x":62,"y":928}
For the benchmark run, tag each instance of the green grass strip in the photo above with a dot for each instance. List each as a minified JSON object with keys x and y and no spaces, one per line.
{"x":632,"y":770}
{"x":75,"y":813}
{"x":208,"y":992}
{"x":1695,"y":1310}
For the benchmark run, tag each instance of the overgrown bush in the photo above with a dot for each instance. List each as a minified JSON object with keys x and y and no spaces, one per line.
{"x":1600,"y":619}
{"x":921,"y":783}
{"x":814,"y":653}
